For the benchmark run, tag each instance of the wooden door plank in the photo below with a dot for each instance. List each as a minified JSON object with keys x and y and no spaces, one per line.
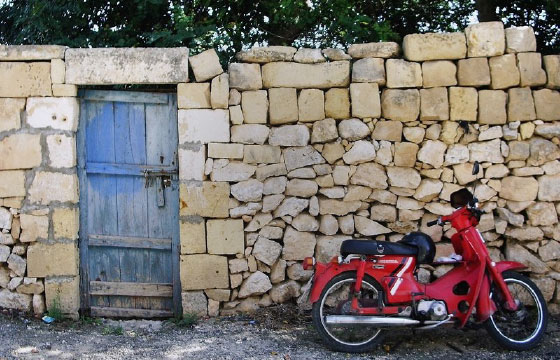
{"x":127,"y":169}
{"x":129,"y":313}
{"x":129,"y":242}
{"x":125,"y":96}
{"x":131,"y":289}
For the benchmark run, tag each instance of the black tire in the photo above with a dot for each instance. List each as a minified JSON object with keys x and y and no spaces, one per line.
{"x":522,"y":329}
{"x":333,"y":340}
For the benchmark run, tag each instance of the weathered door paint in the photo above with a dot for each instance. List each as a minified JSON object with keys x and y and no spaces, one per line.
{"x":127,"y":150}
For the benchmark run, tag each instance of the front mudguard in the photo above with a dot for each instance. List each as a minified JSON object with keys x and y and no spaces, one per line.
{"x":502,"y":266}
{"x":324,"y":273}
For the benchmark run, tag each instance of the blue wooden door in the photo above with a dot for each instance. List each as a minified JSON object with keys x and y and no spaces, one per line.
{"x":127,"y":145}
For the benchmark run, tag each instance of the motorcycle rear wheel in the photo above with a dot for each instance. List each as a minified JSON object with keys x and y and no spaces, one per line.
{"x":335,"y":300}
{"x":524,"y":328}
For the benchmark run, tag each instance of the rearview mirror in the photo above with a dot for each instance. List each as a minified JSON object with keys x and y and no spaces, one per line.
{"x":476,"y":168}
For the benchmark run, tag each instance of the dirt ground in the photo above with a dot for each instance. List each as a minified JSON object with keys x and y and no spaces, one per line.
{"x":279,"y":332}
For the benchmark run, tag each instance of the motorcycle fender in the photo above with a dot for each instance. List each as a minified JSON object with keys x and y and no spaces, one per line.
{"x":509,"y":265}
{"x":323,"y":274}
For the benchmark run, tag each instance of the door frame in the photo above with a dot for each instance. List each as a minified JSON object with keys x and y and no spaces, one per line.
{"x":131,"y":96}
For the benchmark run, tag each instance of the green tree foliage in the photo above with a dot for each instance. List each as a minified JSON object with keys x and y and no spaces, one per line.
{"x":233,"y":25}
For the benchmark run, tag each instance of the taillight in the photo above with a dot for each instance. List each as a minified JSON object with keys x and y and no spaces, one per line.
{"x":308,"y":263}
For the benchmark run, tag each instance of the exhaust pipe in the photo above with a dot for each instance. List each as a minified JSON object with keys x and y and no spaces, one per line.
{"x":379,"y":321}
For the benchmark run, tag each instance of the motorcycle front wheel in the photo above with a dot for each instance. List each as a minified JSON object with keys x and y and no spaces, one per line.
{"x":336,"y":299}
{"x":524,"y":328}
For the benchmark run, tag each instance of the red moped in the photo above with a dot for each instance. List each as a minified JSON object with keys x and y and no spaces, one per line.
{"x":372,"y":286}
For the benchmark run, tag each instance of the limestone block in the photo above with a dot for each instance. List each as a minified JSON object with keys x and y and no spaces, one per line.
{"x":337,"y":103}
{"x":261,"y":154}
{"x":547,"y":104}
{"x":371,"y":175}
{"x":542,"y":214}
{"x":353,"y":129}
{"x":309,"y":56}
{"x":520,"y":39}
{"x":518,"y":150}
{"x":195,"y":303}
{"x":385,"y":213}
{"x":267,"y":171}
{"x":289,"y":135}
{"x":193,"y":96}
{"x":33,"y":227}
{"x":14,"y":300}
{"x":434,"y":46}
{"x":225,"y":237}
{"x":473,"y":72}
{"x":209,"y":200}
{"x":298,"y":157}
{"x":552,"y":66}
{"x":275,"y":185}
{"x":204,"y":271}
{"x":439,"y":73}
{"x":402,"y":74}
{"x":64,"y":90}
{"x":520,"y":105}
{"x":369,"y":227}
{"x":64,"y":291}
{"x":66,"y":223}
{"x":548,"y":188}
{"x":203,"y":125}
{"x":530,"y":69}
{"x":516,"y":252}
{"x":434,"y":104}
{"x":104,"y":66}
{"x":369,"y":70}
{"x":494,"y":132}
{"x":191,"y":163}
{"x":324,"y":131}
{"x":365,"y":100}
{"x":283,"y":105}
{"x":267,"y":251}
{"x":463,"y":102}
{"x":432,"y":153}
{"x":245,"y":76}
{"x":485,"y":39}
{"x":250,"y":133}
{"x":31,"y":52}
{"x":6,"y":223}
{"x":492,"y":107}
{"x":428,"y":190}
{"x":311,"y":105}
{"x":504,"y":71}
{"x":257,"y":283}
{"x":361,"y":151}
{"x":332,"y":152}
{"x":62,"y":151}
{"x":291,"y":206}
{"x":414,"y":134}
{"x":374,"y":50}
{"x":549,"y":130}
{"x":403,"y":177}
{"x":233,"y":171}
{"x":20,"y":79}
{"x":12,"y":183}
{"x":57,"y":71}
{"x":405,"y":154}
{"x":519,"y":188}
{"x":298,"y":244}
{"x":50,"y":186}
{"x":301,"y":76}
{"x":266,"y":54}
{"x":335,"y":54}
{"x":255,"y":106}
{"x":247,"y":190}
{"x":60,"y":113}
{"x":52,"y":259}
{"x":225,"y":151}
{"x":17,"y":264}
{"x":236,"y":115}
{"x":301,"y":188}
{"x":10,"y":113}
{"x":400,"y":105}
{"x":486,"y":151}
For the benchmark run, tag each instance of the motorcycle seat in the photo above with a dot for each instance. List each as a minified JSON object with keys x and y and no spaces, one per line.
{"x":374,"y":247}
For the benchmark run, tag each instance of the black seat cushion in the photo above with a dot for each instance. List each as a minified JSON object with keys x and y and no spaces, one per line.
{"x":374,"y":247}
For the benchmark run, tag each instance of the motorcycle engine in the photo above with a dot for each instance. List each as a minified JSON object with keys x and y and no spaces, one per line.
{"x":432,"y":309}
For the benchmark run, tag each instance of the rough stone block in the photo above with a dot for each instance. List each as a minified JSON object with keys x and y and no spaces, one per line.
{"x":225,"y":237}
{"x":301,"y":76}
{"x":193,"y":237}
{"x":439,"y":73}
{"x":236,"y":115}
{"x":56,"y":259}
{"x":311,"y":105}
{"x":62,"y":150}
{"x":547,"y":104}
{"x":504,"y":71}
{"x":388,"y":130}
{"x":289,"y":135}
{"x":50,"y":186}
{"x":204,"y":271}
{"x":463,"y":102}
{"x":12,"y":183}
{"x":370,"y":70}
{"x":21,"y":79}
{"x":552,"y":66}
{"x":104,"y":66}
{"x":266,"y":54}
{"x":434,"y":46}
{"x":486,"y":39}
{"x":202,"y":125}
{"x":374,"y":50}
{"x":193,"y":96}
{"x":249,"y":133}
{"x":10,"y":113}
{"x":337,"y":103}
{"x":530,"y":69}
{"x":402,"y":74}
{"x":255,"y":106}
{"x":58,"y":71}
{"x":548,"y":188}
{"x":33,"y":227}
{"x":66,"y":223}
{"x":61,"y":113}
{"x":64,"y":90}
{"x":401,"y":105}
{"x":365,"y":100}
{"x":245,"y":76}
{"x":473,"y":72}
{"x":209,"y":200}
{"x":492,"y":107}
{"x":405,"y":156}
{"x":261,"y":154}
{"x":434,"y":104}
{"x":324,"y":131}
{"x":298,"y":244}
{"x":64,"y":291}
{"x":520,"y":105}
{"x":520,"y":39}
{"x":225,"y":151}
{"x":309,"y":56}
{"x":194,"y":303}
{"x":14,"y":300}
{"x":191,"y":163}
{"x":283,"y":105}
{"x":219,"y":95}
{"x":31,"y":52}
{"x":519,"y":188}
{"x":205,"y":65}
